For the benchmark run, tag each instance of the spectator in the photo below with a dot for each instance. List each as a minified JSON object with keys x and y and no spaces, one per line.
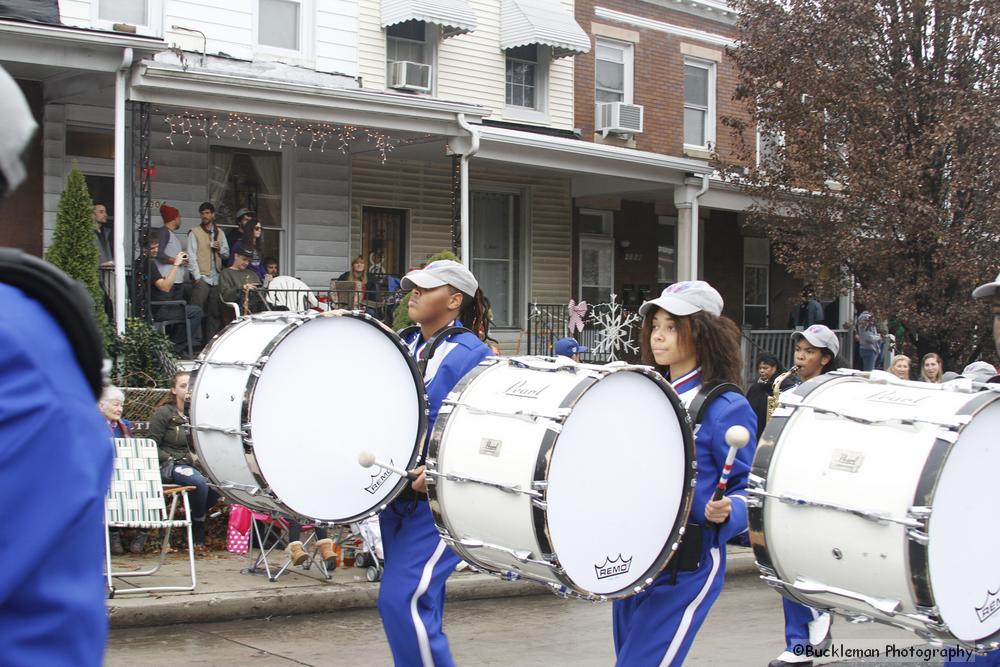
{"x":234,"y":234}
{"x":250,"y":241}
{"x":807,"y":313}
{"x":569,"y":347}
{"x":171,"y":245}
{"x":900,"y":366}
{"x":869,"y":340}
{"x":104,"y":236}
{"x":168,"y":429}
{"x":237,"y":281}
{"x":932,"y":368}
{"x":209,"y":249}
{"x":111,"y":405}
{"x":768,"y":368}
{"x":357,"y":272}
{"x":163,"y":288}
{"x":270,"y":270}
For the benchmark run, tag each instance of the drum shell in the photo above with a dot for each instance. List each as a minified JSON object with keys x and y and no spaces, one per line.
{"x":890,"y":469}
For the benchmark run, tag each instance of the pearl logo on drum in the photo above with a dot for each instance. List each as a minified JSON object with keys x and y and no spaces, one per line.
{"x":990,"y":606}
{"x":613,"y":567}
{"x":846,"y":460}
{"x":378,"y":479}
{"x":522,"y":389}
{"x":490,"y":446}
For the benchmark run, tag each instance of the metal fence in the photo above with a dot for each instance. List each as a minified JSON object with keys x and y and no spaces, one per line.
{"x":550,"y":322}
{"x":379,"y":304}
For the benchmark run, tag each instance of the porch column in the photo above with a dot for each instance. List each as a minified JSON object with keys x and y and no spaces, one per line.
{"x":686,"y":201}
{"x":120,"y":175}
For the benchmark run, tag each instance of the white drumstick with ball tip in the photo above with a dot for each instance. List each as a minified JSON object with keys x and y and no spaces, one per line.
{"x":737,"y":437}
{"x":367,"y":460}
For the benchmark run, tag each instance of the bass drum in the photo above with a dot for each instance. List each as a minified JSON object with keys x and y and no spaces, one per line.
{"x":282,"y":403}
{"x":873,"y":497}
{"x":580,"y":477}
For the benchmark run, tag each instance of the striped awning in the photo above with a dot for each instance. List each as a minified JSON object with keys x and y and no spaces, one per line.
{"x":545,"y":22}
{"x":454,"y":16}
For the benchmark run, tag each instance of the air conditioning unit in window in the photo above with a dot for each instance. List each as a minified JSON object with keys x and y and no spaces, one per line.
{"x":406,"y":75}
{"x":618,"y":118}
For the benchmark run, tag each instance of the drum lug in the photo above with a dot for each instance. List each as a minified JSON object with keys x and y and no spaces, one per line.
{"x":540,"y":504}
{"x":918,"y":536}
{"x":540,"y":485}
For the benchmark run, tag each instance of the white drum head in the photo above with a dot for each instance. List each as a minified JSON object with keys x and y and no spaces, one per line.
{"x":964,"y":543}
{"x":616,"y":483}
{"x":331,"y":389}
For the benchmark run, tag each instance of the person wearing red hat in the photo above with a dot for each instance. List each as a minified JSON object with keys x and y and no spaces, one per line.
{"x":171,"y":245}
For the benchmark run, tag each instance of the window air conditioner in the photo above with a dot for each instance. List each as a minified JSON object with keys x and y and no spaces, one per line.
{"x":406,"y":75}
{"x":618,"y":117}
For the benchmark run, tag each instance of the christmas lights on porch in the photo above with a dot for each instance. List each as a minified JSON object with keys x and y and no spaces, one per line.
{"x":275,"y":134}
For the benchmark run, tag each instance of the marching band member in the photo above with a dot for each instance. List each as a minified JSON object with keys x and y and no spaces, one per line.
{"x":989,"y":291}
{"x":816,"y":351}
{"x":417,"y":562}
{"x":686,"y":337}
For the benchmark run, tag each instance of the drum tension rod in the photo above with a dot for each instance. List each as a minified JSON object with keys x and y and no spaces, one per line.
{"x":886,"y":606}
{"x":506,"y":488}
{"x":955,"y":424}
{"x":230,"y":364}
{"x":877,"y":517}
{"x":558,"y":416}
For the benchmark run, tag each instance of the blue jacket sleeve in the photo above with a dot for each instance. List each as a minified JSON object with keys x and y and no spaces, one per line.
{"x":731,"y":410}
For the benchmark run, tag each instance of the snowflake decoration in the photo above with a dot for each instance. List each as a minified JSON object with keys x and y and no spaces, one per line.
{"x":615,"y":330}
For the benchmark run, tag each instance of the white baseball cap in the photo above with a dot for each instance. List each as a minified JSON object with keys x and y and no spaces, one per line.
{"x":986,"y":290}
{"x":442,"y":272}
{"x":981,"y":371}
{"x":686,"y":298}
{"x":819,"y":335}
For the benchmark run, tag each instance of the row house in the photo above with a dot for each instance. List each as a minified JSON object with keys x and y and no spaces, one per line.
{"x":561,"y":147}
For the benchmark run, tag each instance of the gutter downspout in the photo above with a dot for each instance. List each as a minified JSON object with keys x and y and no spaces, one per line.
{"x":695,"y":224}
{"x":464,"y":177}
{"x":120,"y":175}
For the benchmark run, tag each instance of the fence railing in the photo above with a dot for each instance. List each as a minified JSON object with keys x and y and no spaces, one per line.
{"x":547,"y":323}
{"x":379,"y":304}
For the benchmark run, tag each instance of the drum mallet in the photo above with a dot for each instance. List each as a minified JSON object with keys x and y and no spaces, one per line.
{"x":737,"y":437}
{"x":367,"y":460}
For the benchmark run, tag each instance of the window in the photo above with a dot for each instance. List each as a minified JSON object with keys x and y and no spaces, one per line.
{"x":145,"y":15}
{"x":613,"y":71}
{"x":496,"y":253}
{"x":407,"y":41}
{"x":597,"y":255}
{"x":699,"y":103}
{"x":666,"y":251}
{"x":238,"y":178}
{"x":279,"y":24}
{"x":522,"y":77}
{"x":769,"y":145}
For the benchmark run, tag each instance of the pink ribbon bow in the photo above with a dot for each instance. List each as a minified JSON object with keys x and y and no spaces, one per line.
{"x":577,"y":313}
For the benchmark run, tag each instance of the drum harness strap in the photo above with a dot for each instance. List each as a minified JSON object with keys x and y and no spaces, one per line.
{"x":430,"y":347}
{"x":688,"y":557}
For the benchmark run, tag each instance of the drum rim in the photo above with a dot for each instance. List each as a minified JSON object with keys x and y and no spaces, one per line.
{"x":247,"y":414}
{"x":540,"y":525}
{"x":916,"y":555}
{"x":246,"y":411}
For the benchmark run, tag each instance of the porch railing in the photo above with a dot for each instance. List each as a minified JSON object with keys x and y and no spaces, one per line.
{"x":779,"y":343}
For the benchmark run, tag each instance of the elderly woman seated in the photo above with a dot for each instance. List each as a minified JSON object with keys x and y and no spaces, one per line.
{"x":111,"y":405}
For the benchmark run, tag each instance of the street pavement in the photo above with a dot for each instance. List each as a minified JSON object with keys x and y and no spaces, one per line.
{"x":744,"y":628}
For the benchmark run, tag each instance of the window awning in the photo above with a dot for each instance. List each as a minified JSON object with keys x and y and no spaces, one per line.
{"x":544,"y":22}
{"x":454,"y":16}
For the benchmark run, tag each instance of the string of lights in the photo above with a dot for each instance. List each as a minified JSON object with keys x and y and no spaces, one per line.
{"x":275,"y":134}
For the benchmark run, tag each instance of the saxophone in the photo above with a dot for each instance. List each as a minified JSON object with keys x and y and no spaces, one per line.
{"x":772,"y":400}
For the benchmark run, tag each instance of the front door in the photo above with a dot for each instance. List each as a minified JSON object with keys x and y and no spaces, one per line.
{"x":383,"y":240}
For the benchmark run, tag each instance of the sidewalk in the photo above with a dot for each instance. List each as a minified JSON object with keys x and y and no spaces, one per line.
{"x":226,"y":592}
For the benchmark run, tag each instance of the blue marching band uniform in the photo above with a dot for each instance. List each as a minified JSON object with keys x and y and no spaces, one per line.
{"x":658,"y":626}
{"x":417,"y":561}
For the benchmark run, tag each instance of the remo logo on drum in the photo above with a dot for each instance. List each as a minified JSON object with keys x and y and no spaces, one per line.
{"x":613,"y":568}
{"x":378,"y":479}
{"x":990,"y":607}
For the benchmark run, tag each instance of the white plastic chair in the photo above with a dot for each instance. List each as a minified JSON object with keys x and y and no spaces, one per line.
{"x":137,"y":499}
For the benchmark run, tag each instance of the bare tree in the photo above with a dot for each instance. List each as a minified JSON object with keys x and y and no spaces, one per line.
{"x":879,"y":120}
